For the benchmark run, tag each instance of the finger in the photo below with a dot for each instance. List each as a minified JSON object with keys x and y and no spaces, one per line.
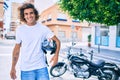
{"x":54,"y":63}
{"x":51,"y":60}
{"x":13,"y":76}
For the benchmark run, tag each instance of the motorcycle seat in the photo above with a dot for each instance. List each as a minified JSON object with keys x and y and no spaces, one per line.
{"x":77,"y":59}
{"x":98,"y":63}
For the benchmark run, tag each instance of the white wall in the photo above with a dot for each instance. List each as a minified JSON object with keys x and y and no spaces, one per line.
{"x":112,"y":39}
{"x":85,"y":33}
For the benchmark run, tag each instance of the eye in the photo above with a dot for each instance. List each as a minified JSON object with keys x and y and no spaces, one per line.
{"x":25,"y":13}
{"x":31,"y":12}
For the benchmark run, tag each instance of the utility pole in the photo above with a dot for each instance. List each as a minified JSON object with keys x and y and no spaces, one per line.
{"x":72,"y":27}
{"x":98,"y":35}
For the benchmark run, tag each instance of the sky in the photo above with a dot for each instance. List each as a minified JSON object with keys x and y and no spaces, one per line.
{"x":20,"y":1}
{"x":43,"y":5}
{"x":40,"y":4}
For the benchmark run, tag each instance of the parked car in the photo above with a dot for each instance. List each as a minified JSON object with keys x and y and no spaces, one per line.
{"x":10,"y":35}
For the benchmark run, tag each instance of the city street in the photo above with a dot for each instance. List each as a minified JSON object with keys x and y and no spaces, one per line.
{"x":89,"y":33}
{"x":6,"y":48}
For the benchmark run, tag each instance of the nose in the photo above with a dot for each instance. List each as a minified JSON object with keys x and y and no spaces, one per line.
{"x":29,"y":15}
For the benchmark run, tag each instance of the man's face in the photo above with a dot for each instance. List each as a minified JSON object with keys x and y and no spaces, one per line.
{"x":29,"y":16}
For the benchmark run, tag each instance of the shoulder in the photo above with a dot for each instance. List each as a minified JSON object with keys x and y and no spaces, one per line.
{"x":42,"y":26}
{"x":21,"y":27}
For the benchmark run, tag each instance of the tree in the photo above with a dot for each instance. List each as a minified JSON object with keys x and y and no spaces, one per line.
{"x":98,"y":11}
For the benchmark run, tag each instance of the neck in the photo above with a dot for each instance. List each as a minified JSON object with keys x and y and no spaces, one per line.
{"x":31,"y":24}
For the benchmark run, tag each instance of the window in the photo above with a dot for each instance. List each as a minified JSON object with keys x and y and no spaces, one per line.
{"x":75,"y":20}
{"x":74,"y":34}
{"x":61,"y":34}
{"x":118,"y":36}
{"x":43,"y":20}
{"x":118,"y":30}
{"x":49,"y":18}
{"x":61,"y":17}
{"x":104,"y":31}
{"x":102,"y":35}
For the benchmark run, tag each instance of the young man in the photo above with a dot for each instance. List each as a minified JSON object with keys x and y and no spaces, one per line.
{"x":29,"y":38}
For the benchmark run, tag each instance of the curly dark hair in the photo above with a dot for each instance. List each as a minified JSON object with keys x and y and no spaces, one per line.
{"x":27,"y":6}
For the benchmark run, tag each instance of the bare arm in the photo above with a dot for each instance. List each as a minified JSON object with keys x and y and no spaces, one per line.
{"x":15,"y":57}
{"x":55,"y":57}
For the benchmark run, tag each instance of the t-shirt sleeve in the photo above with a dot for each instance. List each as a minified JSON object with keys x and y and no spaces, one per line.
{"x":18,"y":38}
{"x":49,"y":33}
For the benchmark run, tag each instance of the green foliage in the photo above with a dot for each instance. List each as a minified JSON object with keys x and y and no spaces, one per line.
{"x":89,"y":38}
{"x":99,"y":11}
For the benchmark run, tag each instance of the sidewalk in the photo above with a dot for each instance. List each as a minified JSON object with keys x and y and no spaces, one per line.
{"x":7,"y":42}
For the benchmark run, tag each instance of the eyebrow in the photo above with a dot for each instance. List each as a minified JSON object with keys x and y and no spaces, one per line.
{"x":29,"y":12}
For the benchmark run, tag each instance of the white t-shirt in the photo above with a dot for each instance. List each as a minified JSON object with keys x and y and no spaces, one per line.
{"x":31,"y":37}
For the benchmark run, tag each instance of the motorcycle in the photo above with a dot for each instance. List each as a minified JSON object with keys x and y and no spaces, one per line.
{"x":109,"y":66}
{"x":81,"y":67}
{"x":114,"y":67}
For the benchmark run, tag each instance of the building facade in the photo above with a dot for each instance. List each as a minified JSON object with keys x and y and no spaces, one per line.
{"x":14,"y":17}
{"x":1,"y":17}
{"x":64,"y":27}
